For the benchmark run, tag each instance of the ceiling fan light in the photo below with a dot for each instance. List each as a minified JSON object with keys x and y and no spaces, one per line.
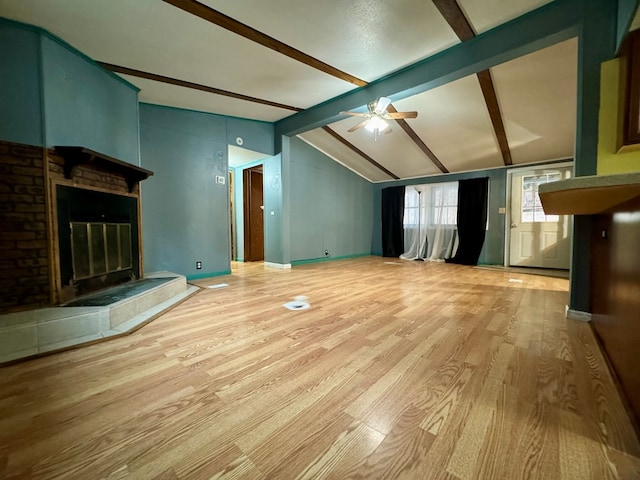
{"x":376,"y":123}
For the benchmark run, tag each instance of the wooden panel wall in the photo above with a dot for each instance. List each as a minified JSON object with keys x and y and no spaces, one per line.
{"x":615,"y":294}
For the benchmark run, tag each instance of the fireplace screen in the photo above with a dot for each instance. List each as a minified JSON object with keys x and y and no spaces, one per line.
{"x":100,"y":248}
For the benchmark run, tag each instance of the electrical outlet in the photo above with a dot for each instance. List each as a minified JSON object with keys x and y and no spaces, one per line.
{"x":198,"y":265}
{"x":326,"y":253}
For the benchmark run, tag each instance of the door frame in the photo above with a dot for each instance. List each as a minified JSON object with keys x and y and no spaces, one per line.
{"x":248,"y":203}
{"x":507,"y":217}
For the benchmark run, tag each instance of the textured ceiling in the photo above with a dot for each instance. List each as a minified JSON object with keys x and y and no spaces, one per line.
{"x":365,"y":40}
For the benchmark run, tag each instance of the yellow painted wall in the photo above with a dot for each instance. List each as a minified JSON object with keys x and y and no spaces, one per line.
{"x":610,"y":162}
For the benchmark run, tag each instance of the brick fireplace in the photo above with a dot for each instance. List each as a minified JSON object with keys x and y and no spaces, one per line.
{"x":69,"y":223}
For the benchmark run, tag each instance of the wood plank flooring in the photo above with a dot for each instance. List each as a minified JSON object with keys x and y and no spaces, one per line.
{"x":398,"y":370}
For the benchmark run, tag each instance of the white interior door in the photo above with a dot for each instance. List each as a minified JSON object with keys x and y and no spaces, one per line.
{"x":537,"y":240}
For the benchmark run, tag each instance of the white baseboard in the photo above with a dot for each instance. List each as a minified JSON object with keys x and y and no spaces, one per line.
{"x":577,"y":315}
{"x":277,"y":265}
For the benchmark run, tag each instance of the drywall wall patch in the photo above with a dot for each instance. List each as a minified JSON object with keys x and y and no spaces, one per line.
{"x":299,"y":303}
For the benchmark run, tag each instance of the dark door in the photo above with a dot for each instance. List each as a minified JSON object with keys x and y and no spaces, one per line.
{"x":253,"y":215}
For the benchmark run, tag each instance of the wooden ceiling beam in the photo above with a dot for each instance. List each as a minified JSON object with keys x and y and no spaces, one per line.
{"x":457,"y":20}
{"x":491,"y":99}
{"x":545,"y":26}
{"x":418,"y":141}
{"x":359,"y":152}
{"x":209,"y":14}
{"x":194,"y":86}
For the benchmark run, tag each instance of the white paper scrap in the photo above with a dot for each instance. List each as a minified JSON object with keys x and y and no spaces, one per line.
{"x":299,"y":303}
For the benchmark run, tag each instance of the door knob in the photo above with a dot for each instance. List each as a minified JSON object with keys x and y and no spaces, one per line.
{"x":514,"y":225}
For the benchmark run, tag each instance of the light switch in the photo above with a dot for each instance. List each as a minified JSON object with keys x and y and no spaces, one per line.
{"x":502,"y":210}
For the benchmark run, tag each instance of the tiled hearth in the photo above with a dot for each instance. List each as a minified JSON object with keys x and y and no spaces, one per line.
{"x":28,"y":333}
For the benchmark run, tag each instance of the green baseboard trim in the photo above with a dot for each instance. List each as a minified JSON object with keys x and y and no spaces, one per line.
{"x":239,"y":260}
{"x":200,"y":276}
{"x":327,"y":259}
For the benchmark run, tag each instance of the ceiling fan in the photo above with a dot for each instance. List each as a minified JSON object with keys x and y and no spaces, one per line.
{"x":376,"y":119}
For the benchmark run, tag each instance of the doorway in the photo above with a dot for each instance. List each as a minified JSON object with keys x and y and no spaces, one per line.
{"x":534,"y":238}
{"x":253,"y":197}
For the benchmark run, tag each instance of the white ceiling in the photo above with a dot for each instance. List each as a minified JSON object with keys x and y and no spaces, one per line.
{"x":368,"y":39}
{"x":239,"y":156}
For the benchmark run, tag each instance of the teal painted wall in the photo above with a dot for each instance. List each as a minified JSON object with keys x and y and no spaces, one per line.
{"x":274,"y":215}
{"x":493,"y":250}
{"x":185,"y":214}
{"x":20,"y":87}
{"x":52,"y":94}
{"x":330,"y":207}
{"x":626,"y":11}
{"x":86,"y":106}
{"x":255,"y":135}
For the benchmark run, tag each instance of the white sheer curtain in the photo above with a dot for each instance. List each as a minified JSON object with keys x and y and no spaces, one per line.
{"x":430,"y":218}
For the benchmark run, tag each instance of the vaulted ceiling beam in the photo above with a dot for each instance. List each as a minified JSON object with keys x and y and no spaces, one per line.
{"x":359,"y":152}
{"x":552,"y":23}
{"x":224,"y":21}
{"x":491,"y":99}
{"x":195,"y":86}
{"x":457,"y":20}
{"x":209,"y":14}
{"x":418,"y":141}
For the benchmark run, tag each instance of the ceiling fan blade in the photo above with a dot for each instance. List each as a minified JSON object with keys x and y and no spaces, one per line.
{"x":396,"y":115}
{"x":381,"y":106}
{"x":359,"y":125}
{"x":355,"y":114}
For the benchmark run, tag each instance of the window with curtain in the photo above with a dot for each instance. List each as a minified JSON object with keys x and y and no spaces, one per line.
{"x":444,"y":205}
{"x":430,"y":217}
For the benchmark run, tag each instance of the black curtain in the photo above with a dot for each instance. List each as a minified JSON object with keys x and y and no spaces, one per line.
{"x":472,"y":220}
{"x":392,"y":224}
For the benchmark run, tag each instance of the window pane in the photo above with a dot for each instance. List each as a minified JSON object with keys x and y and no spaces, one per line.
{"x":532,"y":210}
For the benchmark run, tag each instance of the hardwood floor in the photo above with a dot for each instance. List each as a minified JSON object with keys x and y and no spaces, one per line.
{"x":398,"y":370}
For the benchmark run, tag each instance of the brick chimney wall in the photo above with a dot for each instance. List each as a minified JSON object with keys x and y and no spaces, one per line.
{"x":24,"y":254}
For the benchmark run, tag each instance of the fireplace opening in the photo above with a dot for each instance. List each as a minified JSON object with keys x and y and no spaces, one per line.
{"x":98,"y":240}
{"x":99,"y":248}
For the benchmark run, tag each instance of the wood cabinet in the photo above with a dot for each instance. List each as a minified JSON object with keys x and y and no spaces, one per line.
{"x":631,"y":92}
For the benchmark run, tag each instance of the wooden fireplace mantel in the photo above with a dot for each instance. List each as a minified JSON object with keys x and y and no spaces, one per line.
{"x":74,"y":156}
